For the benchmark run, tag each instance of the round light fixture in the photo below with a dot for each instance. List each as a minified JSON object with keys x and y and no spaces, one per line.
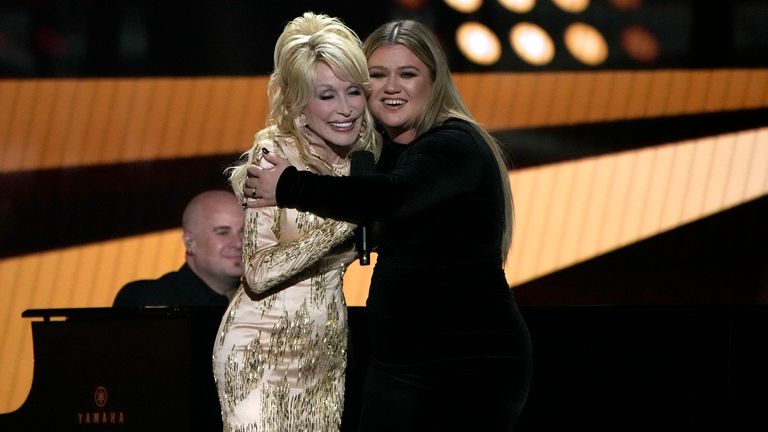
{"x":518,"y":6}
{"x":586,"y":44}
{"x":465,"y":6}
{"x":640,"y":44}
{"x":572,"y":6}
{"x":478,"y":43}
{"x":532,"y":43}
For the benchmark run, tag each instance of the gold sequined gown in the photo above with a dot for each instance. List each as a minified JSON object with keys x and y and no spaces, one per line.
{"x":280,"y":353}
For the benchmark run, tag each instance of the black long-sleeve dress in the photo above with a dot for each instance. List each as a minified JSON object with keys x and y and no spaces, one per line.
{"x":449,"y":348}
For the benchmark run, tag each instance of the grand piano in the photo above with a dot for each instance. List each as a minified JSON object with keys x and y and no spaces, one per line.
{"x":120,"y":369}
{"x":597,"y":368}
{"x":131,"y":369}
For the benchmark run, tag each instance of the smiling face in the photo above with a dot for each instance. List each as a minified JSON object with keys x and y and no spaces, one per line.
{"x":213,"y":228}
{"x":334,"y":113}
{"x":400,"y":87}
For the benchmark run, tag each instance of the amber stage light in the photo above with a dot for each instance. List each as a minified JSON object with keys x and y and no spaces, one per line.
{"x":639,"y":44}
{"x":572,"y":6}
{"x":586,"y":44}
{"x":518,"y":6}
{"x":532,"y":43}
{"x":465,"y":6}
{"x":478,"y":43}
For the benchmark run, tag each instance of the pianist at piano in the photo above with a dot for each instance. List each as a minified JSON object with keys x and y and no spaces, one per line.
{"x":212,"y":225}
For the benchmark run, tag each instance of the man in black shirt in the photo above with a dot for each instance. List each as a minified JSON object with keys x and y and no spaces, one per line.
{"x":213,"y":227}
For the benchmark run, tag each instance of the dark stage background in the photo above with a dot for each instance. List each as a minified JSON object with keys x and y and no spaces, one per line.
{"x":660,"y":330}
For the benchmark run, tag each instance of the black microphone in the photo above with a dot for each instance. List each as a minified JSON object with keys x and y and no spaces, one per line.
{"x":361,"y":163}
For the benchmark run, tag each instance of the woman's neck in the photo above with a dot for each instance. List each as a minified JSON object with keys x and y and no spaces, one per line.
{"x":332,"y":154}
{"x":399,"y":136}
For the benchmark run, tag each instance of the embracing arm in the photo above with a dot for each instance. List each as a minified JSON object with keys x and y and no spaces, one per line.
{"x":274,"y":263}
{"x":439,"y":167}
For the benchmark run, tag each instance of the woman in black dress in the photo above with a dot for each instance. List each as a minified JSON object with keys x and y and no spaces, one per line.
{"x":449,"y":348}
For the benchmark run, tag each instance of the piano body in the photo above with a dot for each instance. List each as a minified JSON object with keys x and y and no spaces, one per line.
{"x":601,"y":368}
{"x":121,"y":369}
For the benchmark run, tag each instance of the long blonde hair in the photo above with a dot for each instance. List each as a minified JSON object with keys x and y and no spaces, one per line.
{"x":304,"y":42}
{"x":444,"y":102}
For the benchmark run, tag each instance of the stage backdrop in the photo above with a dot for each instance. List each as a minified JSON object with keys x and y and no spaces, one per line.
{"x":94,"y":174}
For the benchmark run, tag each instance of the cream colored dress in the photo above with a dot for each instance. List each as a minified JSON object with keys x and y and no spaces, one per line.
{"x":280,"y":353}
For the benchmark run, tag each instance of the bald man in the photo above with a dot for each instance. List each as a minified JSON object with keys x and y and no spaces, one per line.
{"x":212,"y":233}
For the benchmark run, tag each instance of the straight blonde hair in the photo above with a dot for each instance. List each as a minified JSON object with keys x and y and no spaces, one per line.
{"x":444,"y":101}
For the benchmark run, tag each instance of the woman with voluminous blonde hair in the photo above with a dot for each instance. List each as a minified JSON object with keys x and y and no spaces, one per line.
{"x":280,"y":354}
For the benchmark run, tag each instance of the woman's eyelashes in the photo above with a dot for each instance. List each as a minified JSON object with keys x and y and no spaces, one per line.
{"x":353,"y":91}
{"x":404,"y":74}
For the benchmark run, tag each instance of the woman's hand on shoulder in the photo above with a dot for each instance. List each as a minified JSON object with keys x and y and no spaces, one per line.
{"x":261,"y":181}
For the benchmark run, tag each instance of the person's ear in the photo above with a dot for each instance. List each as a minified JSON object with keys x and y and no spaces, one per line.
{"x":189,"y":243}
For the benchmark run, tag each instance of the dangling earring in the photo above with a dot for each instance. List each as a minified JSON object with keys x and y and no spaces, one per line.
{"x":299,"y":124}
{"x":363,"y":128}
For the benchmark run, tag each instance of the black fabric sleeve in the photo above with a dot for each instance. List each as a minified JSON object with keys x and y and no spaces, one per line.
{"x":440,"y":166}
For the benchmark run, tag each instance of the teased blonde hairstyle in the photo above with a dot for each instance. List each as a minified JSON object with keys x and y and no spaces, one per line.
{"x":444,"y":101}
{"x":305,"y":42}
